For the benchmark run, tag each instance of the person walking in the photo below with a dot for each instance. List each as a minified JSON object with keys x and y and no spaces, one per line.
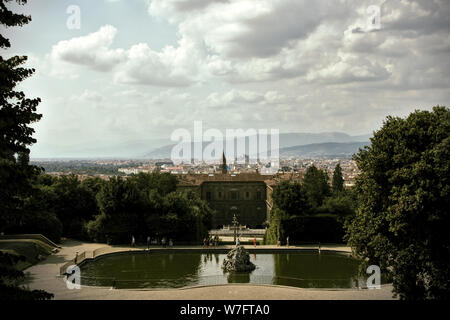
{"x":133,"y":241}
{"x":287,"y":241}
{"x":254,"y":241}
{"x":148,"y":242}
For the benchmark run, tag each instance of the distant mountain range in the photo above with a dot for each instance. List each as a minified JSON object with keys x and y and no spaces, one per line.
{"x":322,"y":150}
{"x":307,"y":145}
{"x":295,"y":144}
{"x":132,"y":149}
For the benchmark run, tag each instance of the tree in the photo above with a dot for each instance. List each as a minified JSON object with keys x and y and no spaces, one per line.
{"x":16,"y":114}
{"x":143,"y":205}
{"x":275,"y":230}
{"x":291,"y":198}
{"x":120,"y":206}
{"x":316,"y":186}
{"x":402,"y":219}
{"x":75,"y":203}
{"x":342,"y":204}
{"x":164,"y":183}
{"x":338,"y":180}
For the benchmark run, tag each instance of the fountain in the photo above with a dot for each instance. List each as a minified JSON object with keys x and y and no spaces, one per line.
{"x":238,"y":259}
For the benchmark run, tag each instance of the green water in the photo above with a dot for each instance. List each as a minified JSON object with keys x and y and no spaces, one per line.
{"x":175,"y":270}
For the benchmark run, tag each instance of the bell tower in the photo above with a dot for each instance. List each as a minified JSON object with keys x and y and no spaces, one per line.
{"x":224,"y":164}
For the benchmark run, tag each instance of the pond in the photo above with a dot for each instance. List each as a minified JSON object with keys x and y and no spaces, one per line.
{"x":182,"y":269}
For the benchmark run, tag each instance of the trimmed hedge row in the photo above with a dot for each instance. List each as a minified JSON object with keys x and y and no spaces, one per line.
{"x":318,"y":228}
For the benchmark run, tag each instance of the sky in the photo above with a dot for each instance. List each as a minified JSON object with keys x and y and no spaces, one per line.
{"x":137,"y":70}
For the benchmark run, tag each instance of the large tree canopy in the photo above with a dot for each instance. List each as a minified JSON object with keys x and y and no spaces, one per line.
{"x":148,"y":204}
{"x":316,"y":186}
{"x":17,"y":113}
{"x":338,"y":180}
{"x":291,"y":198}
{"x":404,"y":197}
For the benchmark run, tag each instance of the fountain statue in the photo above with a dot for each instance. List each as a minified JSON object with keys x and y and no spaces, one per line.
{"x":238,"y":259}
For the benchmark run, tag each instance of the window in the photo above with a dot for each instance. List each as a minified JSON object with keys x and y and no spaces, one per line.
{"x":220,"y":194}
{"x":233,"y":195}
{"x":208,"y":195}
{"x":247,"y":194}
{"x":258,"y":195}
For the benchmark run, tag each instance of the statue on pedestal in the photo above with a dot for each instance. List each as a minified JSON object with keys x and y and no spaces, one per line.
{"x":238,"y":259}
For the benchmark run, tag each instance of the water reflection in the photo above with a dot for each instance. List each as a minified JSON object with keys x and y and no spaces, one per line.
{"x":234,"y":277}
{"x":134,"y":270}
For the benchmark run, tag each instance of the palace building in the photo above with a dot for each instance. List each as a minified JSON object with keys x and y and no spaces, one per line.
{"x":246,"y":195}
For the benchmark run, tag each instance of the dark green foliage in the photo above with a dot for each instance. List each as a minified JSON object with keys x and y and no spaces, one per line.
{"x":338,"y":180}
{"x":10,"y":279}
{"x":17,"y":113}
{"x":60,"y":206}
{"x":323,"y":228}
{"x":342,"y":204}
{"x":291,"y":198}
{"x":315,"y":183}
{"x":40,"y":222}
{"x":316,"y":228}
{"x":163,"y":183}
{"x":275,"y":230}
{"x":148,"y":205}
{"x":119,"y":205}
{"x":75,"y":203}
{"x":294,"y":203}
{"x":402,"y":219}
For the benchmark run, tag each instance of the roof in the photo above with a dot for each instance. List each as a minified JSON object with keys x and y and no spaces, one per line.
{"x":197,"y":179}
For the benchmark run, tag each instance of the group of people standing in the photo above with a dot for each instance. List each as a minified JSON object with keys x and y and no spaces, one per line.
{"x":164,"y":242}
{"x":279,"y":241}
{"x":211,"y":241}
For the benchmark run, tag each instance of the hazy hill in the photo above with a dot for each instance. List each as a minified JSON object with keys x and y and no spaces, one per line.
{"x":329,"y":150}
{"x":161,"y":148}
{"x":298,"y":144}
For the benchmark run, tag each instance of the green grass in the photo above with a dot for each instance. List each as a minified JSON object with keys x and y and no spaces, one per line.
{"x":29,"y":248}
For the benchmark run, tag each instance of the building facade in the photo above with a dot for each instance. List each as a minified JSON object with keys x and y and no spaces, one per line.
{"x":246,"y":195}
{"x":245,"y":199}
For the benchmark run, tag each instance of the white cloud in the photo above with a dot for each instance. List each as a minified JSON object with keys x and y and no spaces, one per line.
{"x":171,"y":67}
{"x":271,"y":40}
{"x":295,"y":65}
{"x":92,"y":50}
